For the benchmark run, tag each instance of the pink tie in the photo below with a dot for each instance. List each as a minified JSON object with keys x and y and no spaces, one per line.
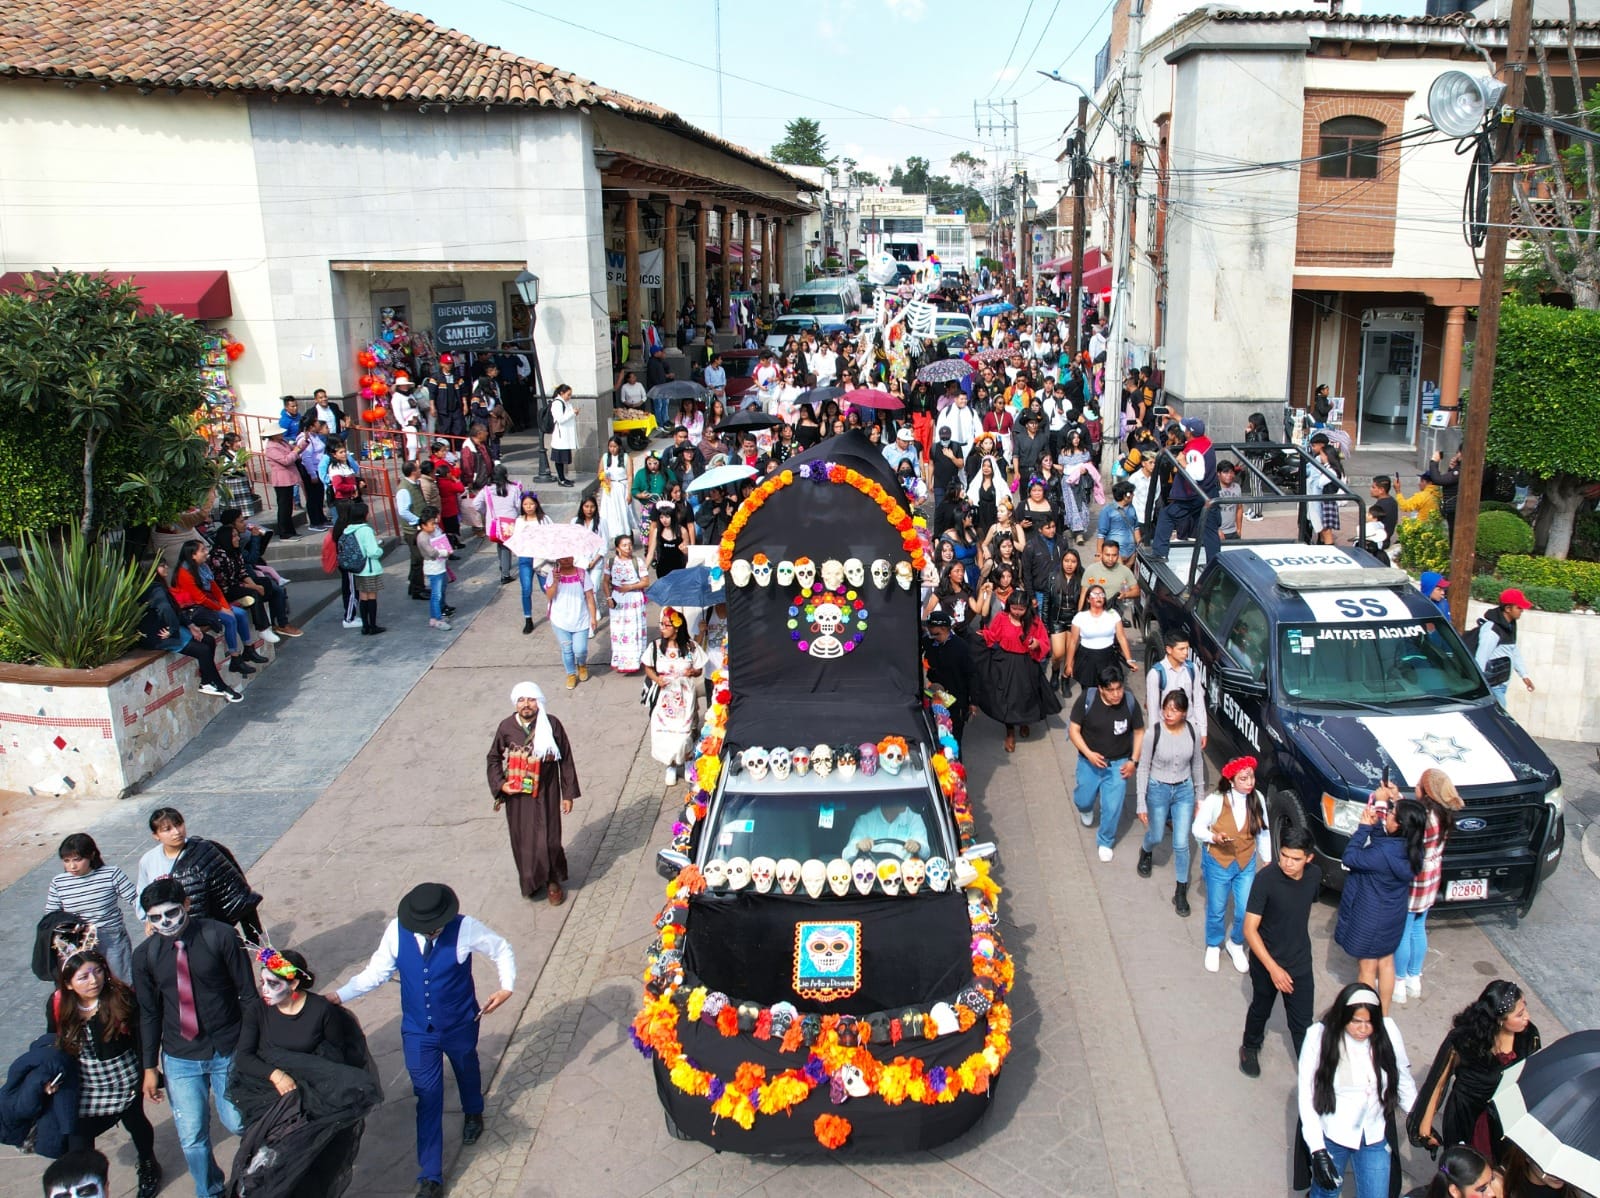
{"x":188,"y":1020}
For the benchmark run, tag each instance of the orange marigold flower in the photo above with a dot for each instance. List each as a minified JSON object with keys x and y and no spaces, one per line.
{"x":831,"y":1130}
{"x":727,"y":1021}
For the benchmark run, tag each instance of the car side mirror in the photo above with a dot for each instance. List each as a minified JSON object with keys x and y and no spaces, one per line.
{"x":670,"y":863}
{"x":1241,"y":682}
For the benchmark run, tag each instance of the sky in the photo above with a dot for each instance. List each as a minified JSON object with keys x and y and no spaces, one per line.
{"x":885,"y":78}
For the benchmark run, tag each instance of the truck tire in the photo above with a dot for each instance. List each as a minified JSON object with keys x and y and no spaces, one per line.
{"x":1283,"y":811}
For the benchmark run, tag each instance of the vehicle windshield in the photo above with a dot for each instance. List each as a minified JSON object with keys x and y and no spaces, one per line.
{"x":740,"y":368}
{"x":817,"y":305}
{"x":787,"y":325}
{"x":790,"y":822}
{"x":1379,"y":663}
{"x":952,"y":320}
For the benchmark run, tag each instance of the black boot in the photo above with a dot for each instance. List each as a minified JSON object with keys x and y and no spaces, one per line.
{"x":1180,"y":899}
{"x":527,"y":625}
{"x":1146,"y":863}
{"x":369,"y":618}
{"x":253,"y":655}
{"x":239,"y":666}
{"x":149,"y":1177}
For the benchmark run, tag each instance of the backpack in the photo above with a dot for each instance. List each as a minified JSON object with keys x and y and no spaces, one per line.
{"x":1092,"y":693}
{"x":349,"y":554}
{"x":330,"y":554}
{"x":1161,"y":668}
{"x":547,"y":419}
{"x":1498,"y":671}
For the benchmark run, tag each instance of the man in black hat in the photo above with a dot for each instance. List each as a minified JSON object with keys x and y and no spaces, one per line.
{"x":950,"y":666}
{"x":430,"y":945}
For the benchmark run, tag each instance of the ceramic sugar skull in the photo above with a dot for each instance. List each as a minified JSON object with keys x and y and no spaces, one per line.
{"x":822,"y":760}
{"x":761,"y":570}
{"x":889,"y":875}
{"x":913,"y":873}
{"x":805,"y":573}
{"x":855,"y":573}
{"x":864,"y":873}
{"x":763,"y":871}
{"x":853,"y":1081}
{"x":778,"y":761}
{"x":882,"y":572}
{"x":740,"y":570}
{"x":833,"y":574}
{"x":903,"y":575}
{"x":938,"y":873}
{"x":867,"y":754}
{"x":755,"y":761}
{"x":892,"y":754}
{"x":845,"y":761}
{"x":800,"y":759}
{"x":785,"y":573}
{"x":738,"y":873}
{"x":839,"y":876}
{"x":788,"y":875}
{"x":944,"y":1018}
{"x":716,"y":873}
{"x":814,"y":876}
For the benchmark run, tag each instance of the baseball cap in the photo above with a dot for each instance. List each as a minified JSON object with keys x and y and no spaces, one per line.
{"x":939,"y":619}
{"x":1194,"y":425}
{"x":1512,"y":597}
{"x":903,"y":435}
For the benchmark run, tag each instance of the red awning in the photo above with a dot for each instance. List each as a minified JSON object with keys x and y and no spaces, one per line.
{"x":1092,"y":259}
{"x":1097,"y":280}
{"x":197,"y":294}
{"x":736,"y":252}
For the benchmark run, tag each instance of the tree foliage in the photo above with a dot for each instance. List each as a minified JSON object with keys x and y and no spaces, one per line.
{"x":97,"y":406}
{"x":1546,"y":407}
{"x":803,"y":144}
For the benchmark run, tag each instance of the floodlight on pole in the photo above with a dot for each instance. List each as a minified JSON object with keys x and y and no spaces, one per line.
{"x":1060,"y":78}
{"x":1458,"y":101}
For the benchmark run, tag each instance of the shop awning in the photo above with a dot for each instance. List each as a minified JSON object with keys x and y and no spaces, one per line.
{"x":1092,"y":260}
{"x":197,"y":294}
{"x":736,"y":252}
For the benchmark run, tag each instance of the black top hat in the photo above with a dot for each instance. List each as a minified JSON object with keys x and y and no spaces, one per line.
{"x":427,"y":908}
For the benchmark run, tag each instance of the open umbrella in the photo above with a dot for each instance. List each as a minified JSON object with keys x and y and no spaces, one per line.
{"x":867,"y":397}
{"x":943,"y":371}
{"x":551,"y":542}
{"x":987,"y":295}
{"x":691,"y":586}
{"x":679,"y":389}
{"x":750,"y":418}
{"x":1549,"y":1106}
{"x":722,"y":476}
{"x":818,"y":396}
{"x":1040,"y":310}
{"x":992,"y":354}
{"x":996,"y":309}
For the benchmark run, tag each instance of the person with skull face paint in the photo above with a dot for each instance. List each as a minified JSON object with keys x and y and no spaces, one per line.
{"x":193,"y":981}
{"x":81,"y":1173}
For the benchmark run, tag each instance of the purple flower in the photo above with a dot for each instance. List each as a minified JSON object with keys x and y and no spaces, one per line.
{"x":815,"y":1070}
{"x":716,"y":1088}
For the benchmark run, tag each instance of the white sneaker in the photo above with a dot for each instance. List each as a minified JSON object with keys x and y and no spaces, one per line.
{"x":1213,"y":958}
{"x":272,"y":638}
{"x":1087,"y":817}
{"x":1105,"y":853}
{"x":1415,"y":986}
{"x":351,"y":623}
{"x":672,"y":774}
{"x":215,"y":692}
{"x":1400,"y":991}
{"x":1241,"y":960}
{"x":1254,"y":516}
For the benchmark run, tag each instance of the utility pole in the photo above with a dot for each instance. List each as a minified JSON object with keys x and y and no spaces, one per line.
{"x":998,"y":121}
{"x":1024,"y":263}
{"x":716,"y":19}
{"x":1117,"y":351}
{"x":1476,"y":436}
{"x":1080,"y":181}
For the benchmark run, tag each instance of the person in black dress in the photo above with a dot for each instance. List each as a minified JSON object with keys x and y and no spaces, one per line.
{"x":669,"y":540}
{"x":950,"y":666}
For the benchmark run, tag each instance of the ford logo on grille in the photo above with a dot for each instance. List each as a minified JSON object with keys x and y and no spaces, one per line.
{"x":1472,"y":824}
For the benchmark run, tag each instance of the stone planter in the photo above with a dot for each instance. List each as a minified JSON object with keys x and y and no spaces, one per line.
{"x":1561,"y":651}
{"x":98,"y":733}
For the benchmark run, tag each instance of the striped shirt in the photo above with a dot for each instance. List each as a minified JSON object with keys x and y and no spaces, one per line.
{"x":96,"y":895}
{"x":1425,"y":886}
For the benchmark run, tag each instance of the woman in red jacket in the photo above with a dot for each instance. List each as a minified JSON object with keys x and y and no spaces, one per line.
{"x":1013,"y":689}
{"x":193,"y":585}
{"x":451,"y":489}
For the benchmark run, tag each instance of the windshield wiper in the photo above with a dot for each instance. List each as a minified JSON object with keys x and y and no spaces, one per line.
{"x":1359,"y":704}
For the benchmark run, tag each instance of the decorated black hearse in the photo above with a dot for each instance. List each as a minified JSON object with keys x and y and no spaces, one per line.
{"x":828,"y":972}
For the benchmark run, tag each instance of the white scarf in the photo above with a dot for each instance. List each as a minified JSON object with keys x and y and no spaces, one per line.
{"x":975,"y":487}
{"x":544,"y":738}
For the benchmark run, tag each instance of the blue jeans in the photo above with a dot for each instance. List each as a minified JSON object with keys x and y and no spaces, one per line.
{"x":1110,"y":787}
{"x":236,"y":628}
{"x":1221,"y":882}
{"x":1370,"y":1164}
{"x":1413,"y":950}
{"x":436,"y":585}
{"x":662,"y":407}
{"x":1500,"y":695}
{"x":574,"y":648}
{"x":424,"y":1054}
{"x":1176,"y":799}
{"x":525,"y":576}
{"x":188,"y":1083}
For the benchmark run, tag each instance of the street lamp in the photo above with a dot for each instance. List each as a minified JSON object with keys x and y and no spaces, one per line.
{"x":528,"y":288}
{"x":527,"y":285}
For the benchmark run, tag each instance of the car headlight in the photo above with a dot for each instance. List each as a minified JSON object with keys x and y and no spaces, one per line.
{"x":1556,"y":799}
{"x":1342,"y":815}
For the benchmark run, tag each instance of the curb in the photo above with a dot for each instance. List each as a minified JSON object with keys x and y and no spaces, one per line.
{"x":1591,"y":848}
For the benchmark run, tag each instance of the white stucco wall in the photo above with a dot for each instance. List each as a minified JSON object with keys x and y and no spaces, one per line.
{"x":93,"y":180}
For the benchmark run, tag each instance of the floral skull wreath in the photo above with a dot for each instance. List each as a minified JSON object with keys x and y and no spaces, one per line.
{"x":821,"y":621}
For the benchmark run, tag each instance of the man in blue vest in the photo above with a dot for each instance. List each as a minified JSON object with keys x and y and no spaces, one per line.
{"x":430,"y":945}
{"x":1192,"y":485}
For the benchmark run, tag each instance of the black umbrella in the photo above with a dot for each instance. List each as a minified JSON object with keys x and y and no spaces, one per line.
{"x":1549,"y":1106}
{"x":818,"y":396}
{"x":679,"y":389}
{"x":751,"y":418}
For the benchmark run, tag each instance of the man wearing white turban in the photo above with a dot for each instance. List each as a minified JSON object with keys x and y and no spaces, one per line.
{"x":532,"y":775}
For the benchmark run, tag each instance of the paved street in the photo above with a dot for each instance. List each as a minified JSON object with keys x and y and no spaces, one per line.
{"x":355,"y":770}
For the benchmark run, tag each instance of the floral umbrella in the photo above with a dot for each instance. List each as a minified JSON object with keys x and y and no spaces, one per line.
{"x":552,"y":542}
{"x":943,"y":371}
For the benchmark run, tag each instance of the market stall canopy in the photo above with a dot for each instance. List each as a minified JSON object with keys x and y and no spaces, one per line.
{"x":197,"y":294}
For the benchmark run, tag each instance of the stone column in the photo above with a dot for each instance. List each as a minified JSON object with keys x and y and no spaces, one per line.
{"x":744,"y":267}
{"x":630,"y":247}
{"x":702,"y":226}
{"x":779,"y":254}
{"x":1455,"y":328}
{"x":725,"y":239}
{"x":669,"y":271}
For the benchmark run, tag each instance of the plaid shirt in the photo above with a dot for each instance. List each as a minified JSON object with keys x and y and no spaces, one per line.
{"x":107,"y":1086}
{"x":1425,"y":886}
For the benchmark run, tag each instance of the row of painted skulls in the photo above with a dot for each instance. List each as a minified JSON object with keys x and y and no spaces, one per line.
{"x":834,"y":573}
{"x":891,"y":754}
{"x":837,"y":875}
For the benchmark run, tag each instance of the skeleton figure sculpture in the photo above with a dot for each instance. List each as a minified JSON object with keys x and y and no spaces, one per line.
{"x":882,"y":572}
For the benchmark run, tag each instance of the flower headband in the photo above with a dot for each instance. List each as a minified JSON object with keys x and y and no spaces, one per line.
{"x":673,"y":614}
{"x":1231,"y":770}
{"x":273,"y":962}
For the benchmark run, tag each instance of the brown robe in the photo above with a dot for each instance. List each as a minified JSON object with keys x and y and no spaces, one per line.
{"x":534,"y":821}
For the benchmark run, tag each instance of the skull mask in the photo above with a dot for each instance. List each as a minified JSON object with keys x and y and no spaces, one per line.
{"x":822,"y":760}
{"x":865,"y":873}
{"x":741,"y":573}
{"x":814,"y":875}
{"x":903,"y":575}
{"x":755,"y":760}
{"x":854,"y":572}
{"x":716,"y":873}
{"x":913,"y":873}
{"x":761,"y":570}
{"x":938,"y":873}
{"x":785,"y":573}
{"x":891,"y":756}
{"x":882,"y":572}
{"x":168,"y":919}
{"x":788,"y":875}
{"x":800,"y":758}
{"x":778,"y":760}
{"x":839,"y":876}
{"x":945,"y":1020}
{"x":853,"y":1081}
{"x":889,"y":876}
{"x":738,"y":873}
{"x":869,"y":759}
{"x":762,"y":872}
{"x":833,"y":574}
{"x":805,"y":573}
{"x":845,"y":759}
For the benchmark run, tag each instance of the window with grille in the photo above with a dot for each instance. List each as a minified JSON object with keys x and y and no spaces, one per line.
{"x":1348,"y":148}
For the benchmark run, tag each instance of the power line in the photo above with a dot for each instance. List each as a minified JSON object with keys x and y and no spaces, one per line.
{"x":1026,"y":62}
{"x":1088,"y":33}
{"x":1026,"y":13}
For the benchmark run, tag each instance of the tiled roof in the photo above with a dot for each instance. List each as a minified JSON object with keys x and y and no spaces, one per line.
{"x":1350,"y":18}
{"x":346,"y":49}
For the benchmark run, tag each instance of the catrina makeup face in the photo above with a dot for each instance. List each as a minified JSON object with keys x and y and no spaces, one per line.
{"x":275,"y":991}
{"x":168,"y":919}
{"x":87,"y":1186}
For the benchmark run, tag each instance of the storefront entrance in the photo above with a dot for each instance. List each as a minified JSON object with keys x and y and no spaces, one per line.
{"x":1391,"y":360}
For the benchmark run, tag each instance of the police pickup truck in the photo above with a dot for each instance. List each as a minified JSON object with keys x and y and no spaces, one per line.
{"x":1329,"y":667}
